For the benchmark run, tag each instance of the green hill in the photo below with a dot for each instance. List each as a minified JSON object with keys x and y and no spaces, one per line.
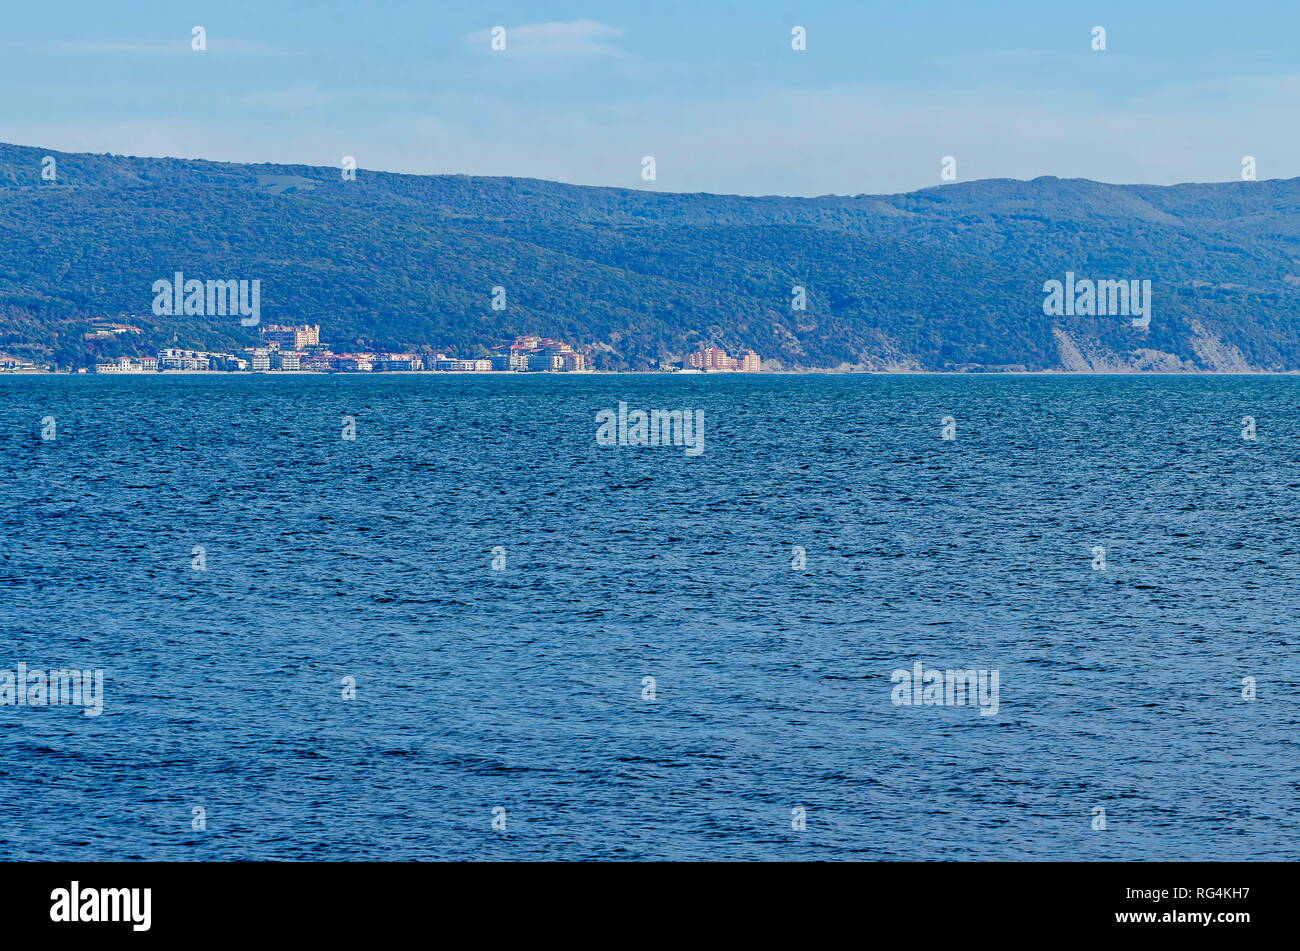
{"x":945,"y":278}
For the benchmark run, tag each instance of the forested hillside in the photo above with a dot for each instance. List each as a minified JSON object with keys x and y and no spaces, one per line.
{"x":946,"y":278}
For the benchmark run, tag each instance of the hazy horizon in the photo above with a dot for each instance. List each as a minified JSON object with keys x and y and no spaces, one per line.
{"x":581,"y":94}
{"x":554,"y":181}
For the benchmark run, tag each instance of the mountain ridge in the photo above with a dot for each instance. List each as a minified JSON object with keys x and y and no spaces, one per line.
{"x":945,"y":278}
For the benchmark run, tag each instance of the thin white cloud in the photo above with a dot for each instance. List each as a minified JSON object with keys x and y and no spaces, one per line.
{"x":97,"y":47}
{"x":296,"y":97}
{"x":572,"y":38}
{"x":216,"y":44}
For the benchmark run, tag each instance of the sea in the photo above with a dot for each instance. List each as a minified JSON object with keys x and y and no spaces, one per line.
{"x":433,"y":617}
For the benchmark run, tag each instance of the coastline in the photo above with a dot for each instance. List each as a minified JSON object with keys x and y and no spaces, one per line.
{"x":665,"y":373}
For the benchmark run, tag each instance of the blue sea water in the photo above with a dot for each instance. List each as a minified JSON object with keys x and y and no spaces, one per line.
{"x":522,"y":688}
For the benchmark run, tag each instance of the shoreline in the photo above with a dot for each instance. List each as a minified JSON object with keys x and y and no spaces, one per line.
{"x":664,"y":373}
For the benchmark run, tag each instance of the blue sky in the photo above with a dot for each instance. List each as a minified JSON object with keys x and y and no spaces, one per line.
{"x":711,"y":89}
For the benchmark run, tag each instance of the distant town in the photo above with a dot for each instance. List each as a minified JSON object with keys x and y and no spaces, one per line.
{"x":299,"y":349}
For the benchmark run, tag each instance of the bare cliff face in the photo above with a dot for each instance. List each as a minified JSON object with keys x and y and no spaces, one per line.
{"x":1081,"y":354}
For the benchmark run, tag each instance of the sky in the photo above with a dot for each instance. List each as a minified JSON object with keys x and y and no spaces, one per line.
{"x":711,"y":89}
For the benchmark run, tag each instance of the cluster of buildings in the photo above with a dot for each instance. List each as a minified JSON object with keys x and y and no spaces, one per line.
{"x":538,"y":354}
{"x":109,"y":331}
{"x":10,"y":364}
{"x":714,"y":359}
{"x":172,"y":359}
{"x":299,"y":348}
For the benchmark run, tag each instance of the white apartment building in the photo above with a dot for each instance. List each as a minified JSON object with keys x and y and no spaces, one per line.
{"x":172,"y":359}
{"x":119,"y":365}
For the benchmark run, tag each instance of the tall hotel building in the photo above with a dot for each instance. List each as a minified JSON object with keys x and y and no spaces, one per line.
{"x":711,"y":358}
{"x":292,"y":338}
{"x":715,"y":358}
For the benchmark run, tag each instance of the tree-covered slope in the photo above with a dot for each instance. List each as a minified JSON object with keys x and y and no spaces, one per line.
{"x":948,"y":277}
